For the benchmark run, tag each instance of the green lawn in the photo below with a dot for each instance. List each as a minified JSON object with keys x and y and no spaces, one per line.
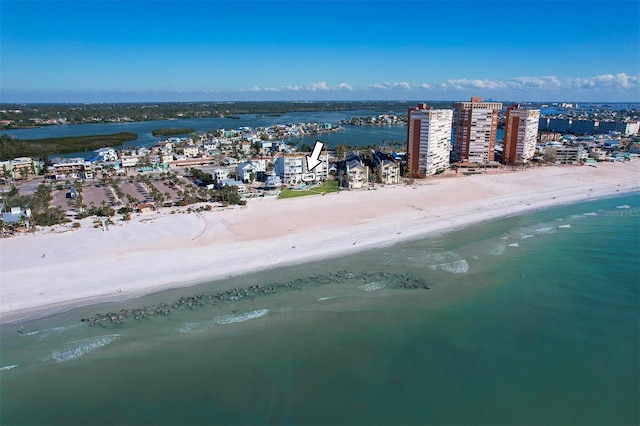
{"x":325,"y":187}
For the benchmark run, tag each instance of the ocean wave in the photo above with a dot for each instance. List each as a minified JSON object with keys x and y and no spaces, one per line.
{"x":564,"y":226}
{"x":82,"y":347}
{"x":524,"y":237}
{"x":376,"y":285}
{"x":444,"y":257}
{"x":190,"y":327}
{"x":326,"y":298}
{"x":230,"y":319}
{"x":498,"y":249}
{"x":194,"y":326}
{"x":544,"y":230}
{"x":456,"y":267}
{"x":514,"y":245}
{"x":43,"y":334}
{"x":8,"y":367}
{"x":591,"y":214}
{"x":624,"y":206}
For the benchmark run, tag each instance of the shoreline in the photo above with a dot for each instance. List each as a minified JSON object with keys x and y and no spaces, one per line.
{"x":162,"y":251}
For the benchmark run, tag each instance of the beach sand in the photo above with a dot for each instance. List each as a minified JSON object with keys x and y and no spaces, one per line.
{"x":157,"y":251}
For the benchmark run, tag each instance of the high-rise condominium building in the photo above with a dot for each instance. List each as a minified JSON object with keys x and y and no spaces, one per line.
{"x":520,"y":134}
{"x":428,"y":140}
{"x":475,"y":125}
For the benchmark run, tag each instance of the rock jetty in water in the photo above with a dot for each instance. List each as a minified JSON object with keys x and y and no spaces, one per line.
{"x":391,"y":280}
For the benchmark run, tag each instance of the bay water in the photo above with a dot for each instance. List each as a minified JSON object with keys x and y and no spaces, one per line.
{"x":350,"y":135}
{"x":531,"y":319}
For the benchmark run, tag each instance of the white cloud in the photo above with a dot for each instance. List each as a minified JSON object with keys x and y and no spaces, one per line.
{"x":344,"y":86}
{"x":609,"y":81}
{"x":296,"y":88}
{"x":390,"y":86}
{"x":318,"y":86}
{"x":545,"y":82}
{"x":463,"y":84}
{"x":525,"y":85}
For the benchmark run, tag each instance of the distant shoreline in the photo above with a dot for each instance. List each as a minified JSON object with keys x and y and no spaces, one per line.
{"x":161,"y":251}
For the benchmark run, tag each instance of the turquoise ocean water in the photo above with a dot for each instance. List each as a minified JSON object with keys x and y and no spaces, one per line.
{"x":531,"y":319}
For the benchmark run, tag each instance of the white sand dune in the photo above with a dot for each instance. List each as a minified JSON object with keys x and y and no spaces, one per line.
{"x":90,"y":265}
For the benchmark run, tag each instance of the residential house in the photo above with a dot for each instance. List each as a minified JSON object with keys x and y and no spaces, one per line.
{"x":245,"y":172}
{"x":597,"y":154}
{"x":242,"y":189}
{"x":17,"y":215}
{"x":230,"y":161}
{"x":272,"y":181}
{"x":356,"y":171}
{"x":386,"y":167}
{"x":220,"y":174}
{"x":191,"y":151}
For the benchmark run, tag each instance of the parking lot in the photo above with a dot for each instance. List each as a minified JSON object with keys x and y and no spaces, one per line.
{"x":96,"y":193}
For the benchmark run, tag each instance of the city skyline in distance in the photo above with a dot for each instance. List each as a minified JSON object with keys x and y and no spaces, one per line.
{"x":117,"y":51}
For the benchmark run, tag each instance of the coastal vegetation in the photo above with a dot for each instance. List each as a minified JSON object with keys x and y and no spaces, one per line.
{"x":39,"y":203}
{"x":172,"y":131}
{"x":36,"y":148}
{"x":36,"y":115}
{"x":324,"y":188}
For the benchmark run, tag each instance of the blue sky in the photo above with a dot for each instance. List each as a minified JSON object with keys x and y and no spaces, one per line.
{"x":520,"y":50}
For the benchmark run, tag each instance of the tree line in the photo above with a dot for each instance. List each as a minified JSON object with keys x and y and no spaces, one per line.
{"x":172,"y":131}
{"x":36,"y":148}
{"x":82,"y":113}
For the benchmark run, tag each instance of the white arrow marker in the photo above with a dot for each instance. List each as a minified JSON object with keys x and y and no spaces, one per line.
{"x":312,"y":160}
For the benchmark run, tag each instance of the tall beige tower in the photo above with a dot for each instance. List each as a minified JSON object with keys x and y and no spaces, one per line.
{"x":475,"y":125}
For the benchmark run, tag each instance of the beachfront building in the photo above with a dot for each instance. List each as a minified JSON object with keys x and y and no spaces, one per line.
{"x":356,"y":171}
{"x":232,"y":182}
{"x":21,"y":168}
{"x":17,"y":215}
{"x":386,"y":167}
{"x":563,"y":155}
{"x":428,"y":140}
{"x":475,"y":126}
{"x":72,"y":168}
{"x":520,"y":134}
{"x":292,"y":169}
{"x":245,"y":172}
{"x":254,"y":169}
{"x":272,"y":181}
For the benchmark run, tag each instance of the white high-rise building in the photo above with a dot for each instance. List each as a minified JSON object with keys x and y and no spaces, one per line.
{"x":520,"y":134}
{"x":428,"y":140}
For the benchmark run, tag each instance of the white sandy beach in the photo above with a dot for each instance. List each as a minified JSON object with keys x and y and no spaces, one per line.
{"x":161,"y":250}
